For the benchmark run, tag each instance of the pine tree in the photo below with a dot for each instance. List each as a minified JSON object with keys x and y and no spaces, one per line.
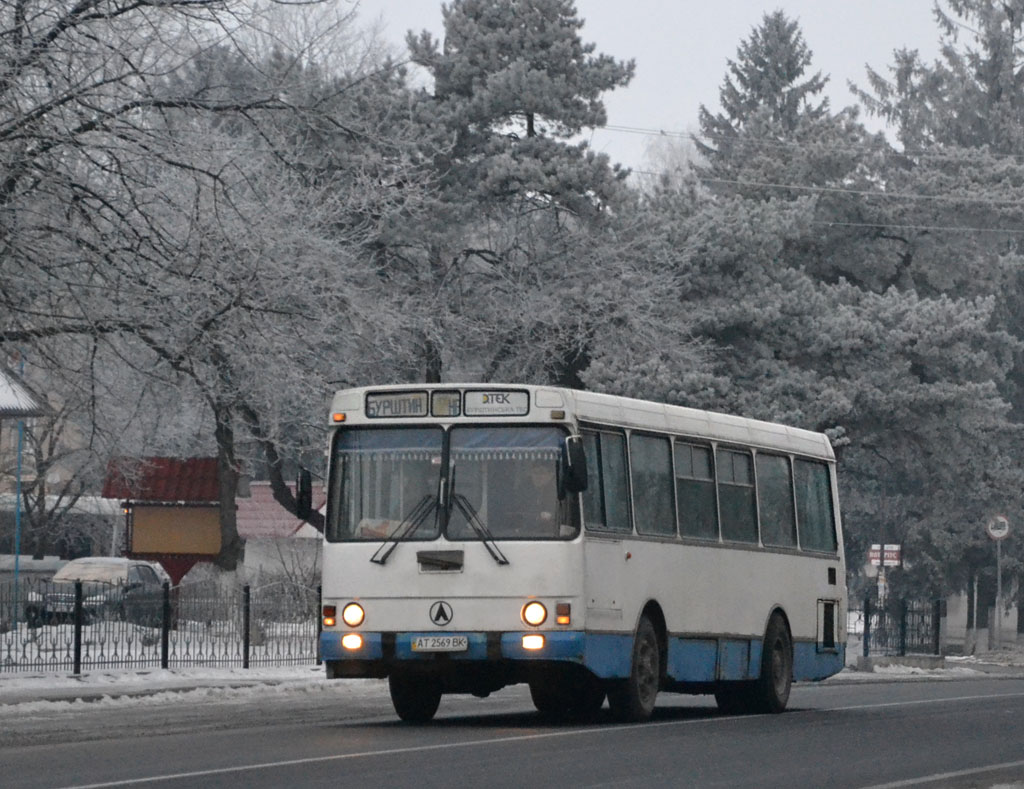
{"x":518,"y":205}
{"x":763,"y":91}
{"x":956,"y":228}
{"x":804,"y":305}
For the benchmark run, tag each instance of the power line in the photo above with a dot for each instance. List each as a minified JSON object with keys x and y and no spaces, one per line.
{"x":861,"y":192}
{"x":869,"y":193}
{"x":936,"y":228}
{"x":957,"y":153}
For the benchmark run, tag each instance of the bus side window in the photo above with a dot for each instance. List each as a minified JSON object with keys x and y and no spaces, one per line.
{"x":775,"y":501}
{"x":815,"y":518}
{"x":736,"y":495}
{"x":606,"y":499}
{"x":695,"y":492}
{"x":650,"y":463}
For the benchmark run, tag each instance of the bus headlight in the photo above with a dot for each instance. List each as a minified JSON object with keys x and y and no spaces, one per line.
{"x":534,"y":613}
{"x":352,"y":641}
{"x":353,"y":614}
{"x":533,"y":641}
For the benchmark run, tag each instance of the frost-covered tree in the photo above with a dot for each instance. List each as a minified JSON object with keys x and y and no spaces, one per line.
{"x":796,"y":291}
{"x":766,"y":93}
{"x":518,"y":206}
{"x":955,"y":217}
{"x":167,"y":195}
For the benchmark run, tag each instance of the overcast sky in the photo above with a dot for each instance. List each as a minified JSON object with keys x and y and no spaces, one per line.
{"x":681,"y":48}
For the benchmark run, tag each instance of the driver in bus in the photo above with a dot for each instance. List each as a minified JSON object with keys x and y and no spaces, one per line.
{"x":535,"y":498}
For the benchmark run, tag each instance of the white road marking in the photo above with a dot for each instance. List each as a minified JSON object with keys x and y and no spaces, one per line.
{"x":924,"y":779}
{"x":550,"y":735}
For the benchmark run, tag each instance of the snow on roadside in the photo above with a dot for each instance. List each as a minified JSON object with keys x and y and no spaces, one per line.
{"x":116,"y":688}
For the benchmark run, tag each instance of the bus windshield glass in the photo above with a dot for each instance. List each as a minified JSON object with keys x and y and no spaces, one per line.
{"x":507,"y":478}
{"x":384,"y":484}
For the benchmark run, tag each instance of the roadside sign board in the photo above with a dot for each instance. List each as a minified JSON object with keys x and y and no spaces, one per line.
{"x":891,"y":555}
{"x":998,"y":527}
{"x":875,"y":555}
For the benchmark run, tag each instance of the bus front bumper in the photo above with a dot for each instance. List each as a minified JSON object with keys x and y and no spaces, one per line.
{"x":392,"y":647}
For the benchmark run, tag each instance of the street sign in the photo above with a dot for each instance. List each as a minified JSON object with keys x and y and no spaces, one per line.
{"x":888,"y":555}
{"x":998,"y":527}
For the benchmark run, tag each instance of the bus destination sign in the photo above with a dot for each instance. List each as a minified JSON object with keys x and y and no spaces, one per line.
{"x":497,"y":403}
{"x":382,"y":405}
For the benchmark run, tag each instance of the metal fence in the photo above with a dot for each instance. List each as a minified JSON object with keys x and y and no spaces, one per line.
{"x":899,"y":628}
{"x":73,"y":628}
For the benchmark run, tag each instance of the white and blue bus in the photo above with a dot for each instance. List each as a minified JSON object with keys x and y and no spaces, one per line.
{"x":588,"y":545}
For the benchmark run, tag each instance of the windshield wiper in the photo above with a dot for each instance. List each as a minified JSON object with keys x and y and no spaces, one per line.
{"x":410,"y":523}
{"x":473,"y":519}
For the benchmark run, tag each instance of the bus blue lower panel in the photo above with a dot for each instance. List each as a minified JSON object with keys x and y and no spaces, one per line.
{"x":608,"y":655}
{"x":810,"y":663}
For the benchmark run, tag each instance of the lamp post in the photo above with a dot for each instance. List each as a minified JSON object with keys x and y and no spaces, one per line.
{"x":17,"y":521}
{"x":17,"y":504}
{"x":998,"y":527}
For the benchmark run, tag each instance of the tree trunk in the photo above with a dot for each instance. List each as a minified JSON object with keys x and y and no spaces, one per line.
{"x":572,"y":364}
{"x":432,"y":363}
{"x":283,"y":494}
{"x":231,"y":545}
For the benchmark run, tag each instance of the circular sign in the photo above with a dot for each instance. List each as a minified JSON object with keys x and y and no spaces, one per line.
{"x":998,"y":527}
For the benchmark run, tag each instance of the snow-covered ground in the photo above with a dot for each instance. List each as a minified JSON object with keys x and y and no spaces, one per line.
{"x":157,"y":686}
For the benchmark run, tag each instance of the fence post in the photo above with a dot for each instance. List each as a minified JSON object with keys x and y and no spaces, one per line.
{"x":867,"y":626}
{"x":245,"y":626}
{"x":936,"y":625}
{"x":903,"y":627}
{"x":319,"y":621}
{"x":165,"y":630}
{"x":77,"y":668}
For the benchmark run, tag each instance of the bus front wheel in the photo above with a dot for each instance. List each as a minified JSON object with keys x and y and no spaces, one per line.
{"x":415,"y":697}
{"x":633,"y":699}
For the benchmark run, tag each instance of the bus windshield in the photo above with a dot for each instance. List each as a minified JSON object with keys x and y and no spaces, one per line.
{"x":504,"y":484}
{"x":508,"y":478}
{"x":384,"y":480}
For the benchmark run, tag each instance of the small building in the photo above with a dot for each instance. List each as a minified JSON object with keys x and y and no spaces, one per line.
{"x":17,"y":400}
{"x":960,"y":633}
{"x":277,"y":544}
{"x":172,"y":509}
{"x":173,"y":517}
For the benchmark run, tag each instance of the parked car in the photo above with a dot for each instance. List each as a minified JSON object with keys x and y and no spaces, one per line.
{"x":112,"y":588}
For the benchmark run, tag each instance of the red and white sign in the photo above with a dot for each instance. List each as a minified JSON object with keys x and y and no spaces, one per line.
{"x":888,"y":555}
{"x":998,"y":527}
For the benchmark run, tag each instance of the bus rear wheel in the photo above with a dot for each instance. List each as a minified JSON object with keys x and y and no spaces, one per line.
{"x":770,"y":692}
{"x":633,"y":699}
{"x":415,"y":697}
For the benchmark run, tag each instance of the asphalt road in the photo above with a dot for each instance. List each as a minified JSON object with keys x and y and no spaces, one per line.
{"x":963,"y":733}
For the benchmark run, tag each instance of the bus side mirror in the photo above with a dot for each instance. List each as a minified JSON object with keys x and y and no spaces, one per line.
{"x":304,"y":495}
{"x":575,"y":465}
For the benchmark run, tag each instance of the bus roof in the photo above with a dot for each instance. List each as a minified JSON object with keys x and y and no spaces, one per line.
{"x":613,"y":410}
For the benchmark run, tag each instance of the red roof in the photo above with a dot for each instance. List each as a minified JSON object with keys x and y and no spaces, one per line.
{"x":259,"y":515}
{"x":190,"y":480}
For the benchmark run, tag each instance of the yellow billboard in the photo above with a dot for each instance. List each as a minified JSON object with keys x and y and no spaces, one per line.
{"x":175,"y":530}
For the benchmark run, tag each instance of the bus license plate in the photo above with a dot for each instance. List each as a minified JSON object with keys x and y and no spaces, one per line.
{"x":440,"y":643}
